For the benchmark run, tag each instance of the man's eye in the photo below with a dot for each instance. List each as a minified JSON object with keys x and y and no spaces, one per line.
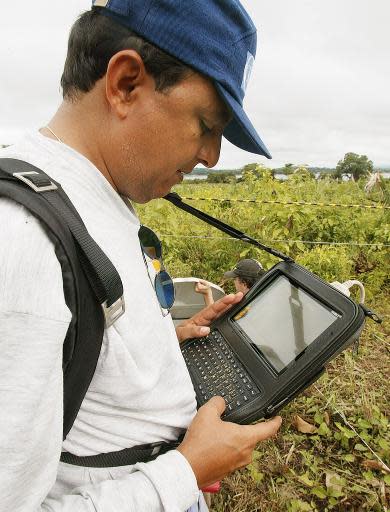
{"x":204,"y":128}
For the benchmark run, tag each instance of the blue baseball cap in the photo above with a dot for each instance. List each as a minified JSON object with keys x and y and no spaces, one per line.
{"x":215,"y":37}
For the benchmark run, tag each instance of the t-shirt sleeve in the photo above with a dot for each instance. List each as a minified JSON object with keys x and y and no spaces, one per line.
{"x":167,"y":484}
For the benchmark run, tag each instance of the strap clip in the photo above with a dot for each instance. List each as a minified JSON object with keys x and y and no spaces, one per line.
{"x":113,"y":312}
{"x":368,"y":312}
{"x":36,"y":186}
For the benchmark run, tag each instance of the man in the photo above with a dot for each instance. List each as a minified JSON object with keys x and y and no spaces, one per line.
{"x":149,"y":88}
{"x":245,"y":274}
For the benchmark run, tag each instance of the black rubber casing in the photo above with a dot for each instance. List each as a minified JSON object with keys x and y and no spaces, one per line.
{"x":278,"y":389}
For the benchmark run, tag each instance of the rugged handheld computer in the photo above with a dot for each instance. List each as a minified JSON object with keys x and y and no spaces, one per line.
{"x":276,"y":341}
{"x":273,"y":344}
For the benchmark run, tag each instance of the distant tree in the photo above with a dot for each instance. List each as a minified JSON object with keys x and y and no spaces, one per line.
{"x":221,"y":177}
{"x":354,"y":165}
{"x":288,"y":169}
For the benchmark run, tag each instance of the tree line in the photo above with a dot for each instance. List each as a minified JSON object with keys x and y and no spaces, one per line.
{"x":352,"y":166}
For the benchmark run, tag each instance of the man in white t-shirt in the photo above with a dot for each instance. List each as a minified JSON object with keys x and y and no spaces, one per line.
{"x":150,"y":87}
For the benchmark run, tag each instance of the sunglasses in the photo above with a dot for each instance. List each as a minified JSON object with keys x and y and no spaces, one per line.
{"x":163,"y":284}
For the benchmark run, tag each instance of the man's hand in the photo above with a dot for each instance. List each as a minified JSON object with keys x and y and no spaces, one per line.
{"x":214,"y":448}
{"x":197,"y":326}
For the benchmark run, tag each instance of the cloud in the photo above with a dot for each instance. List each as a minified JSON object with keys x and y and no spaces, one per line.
{"x":319,"y":88}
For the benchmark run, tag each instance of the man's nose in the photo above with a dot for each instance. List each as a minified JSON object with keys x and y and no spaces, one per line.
{"x":210,"y":151}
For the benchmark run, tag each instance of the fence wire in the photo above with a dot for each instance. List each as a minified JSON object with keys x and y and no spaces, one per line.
{"x":379,"y":245}
{"x":289,"y":203}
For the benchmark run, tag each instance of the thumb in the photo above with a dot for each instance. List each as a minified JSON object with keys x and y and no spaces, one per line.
{"x":216,"y":404}
{"x":266,"y":429}
{"x":193,"y":331}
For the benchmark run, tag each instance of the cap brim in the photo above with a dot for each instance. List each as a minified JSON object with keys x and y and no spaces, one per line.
{"x":229,"y":275}
{"x":240,"y":131}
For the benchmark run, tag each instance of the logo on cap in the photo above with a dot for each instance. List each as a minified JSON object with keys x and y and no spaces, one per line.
{"x":100,"y":3}
{"x":250,"y":60}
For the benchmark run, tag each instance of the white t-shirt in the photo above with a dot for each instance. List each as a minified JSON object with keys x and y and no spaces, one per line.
{"x":141,"y":391}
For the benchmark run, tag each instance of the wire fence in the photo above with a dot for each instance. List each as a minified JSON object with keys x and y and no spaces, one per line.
{"x":289,"y":203}
{"x":378,"y":245}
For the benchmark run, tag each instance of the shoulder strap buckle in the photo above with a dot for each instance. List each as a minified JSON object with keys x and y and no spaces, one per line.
{"x":39,"y":183}
{"x":113,"y":312}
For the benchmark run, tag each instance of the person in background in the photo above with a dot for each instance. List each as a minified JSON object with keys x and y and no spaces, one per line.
{"x":245,"y":274}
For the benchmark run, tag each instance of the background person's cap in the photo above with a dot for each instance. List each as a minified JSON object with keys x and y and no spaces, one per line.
{"x":247,"y":268}
{"x":215,"y":37}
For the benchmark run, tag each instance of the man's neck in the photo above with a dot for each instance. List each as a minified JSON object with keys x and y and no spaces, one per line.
{"x":73,"y":127}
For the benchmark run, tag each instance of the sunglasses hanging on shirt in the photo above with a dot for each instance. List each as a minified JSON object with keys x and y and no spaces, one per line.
{"x":163,"y":284}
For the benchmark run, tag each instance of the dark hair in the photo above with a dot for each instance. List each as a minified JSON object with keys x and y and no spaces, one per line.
{"x":248,"y":281}
{"x":95,"y":38}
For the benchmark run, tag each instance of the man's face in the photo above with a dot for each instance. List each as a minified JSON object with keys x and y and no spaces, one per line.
{"x":166,"y":135}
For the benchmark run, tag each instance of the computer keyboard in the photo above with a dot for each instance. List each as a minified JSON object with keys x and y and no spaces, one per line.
{"x":215,"y":370}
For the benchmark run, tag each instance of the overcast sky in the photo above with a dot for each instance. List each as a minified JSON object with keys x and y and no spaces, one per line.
{"x":320,"y":86}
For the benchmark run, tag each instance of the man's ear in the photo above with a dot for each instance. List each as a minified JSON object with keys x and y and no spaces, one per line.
{"x":125,"y":72}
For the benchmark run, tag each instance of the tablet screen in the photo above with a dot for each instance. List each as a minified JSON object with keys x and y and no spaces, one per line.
{"x":283,"y":320}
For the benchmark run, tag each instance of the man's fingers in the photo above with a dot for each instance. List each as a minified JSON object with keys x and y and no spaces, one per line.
{"x":196,"y":331}
{"x":206,"y":316}
{"x":266,"y":429}
{"x":228,"y":300}
{"x":186,"y":332}
{"x":217,"y":403}
{"x":212,"y":312}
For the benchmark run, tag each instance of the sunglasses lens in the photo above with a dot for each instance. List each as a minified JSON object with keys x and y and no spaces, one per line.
{"x":151,"y":245}
{"x":165,"y":289}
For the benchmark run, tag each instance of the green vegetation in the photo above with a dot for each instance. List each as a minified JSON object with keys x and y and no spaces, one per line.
{"x":318,"y":462}
{"x":221,"y":177}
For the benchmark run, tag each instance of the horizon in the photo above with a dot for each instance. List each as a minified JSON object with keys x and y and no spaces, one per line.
{"x":384,"y":168}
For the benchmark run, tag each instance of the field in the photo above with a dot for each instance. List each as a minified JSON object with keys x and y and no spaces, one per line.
{"x":333,"y":451}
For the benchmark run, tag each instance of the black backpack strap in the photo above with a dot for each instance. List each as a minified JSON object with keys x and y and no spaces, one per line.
{"x":126,"y":457}
{"x":104,"y":278}
{"x":87,"y":286}
{"x":177,"y":201}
